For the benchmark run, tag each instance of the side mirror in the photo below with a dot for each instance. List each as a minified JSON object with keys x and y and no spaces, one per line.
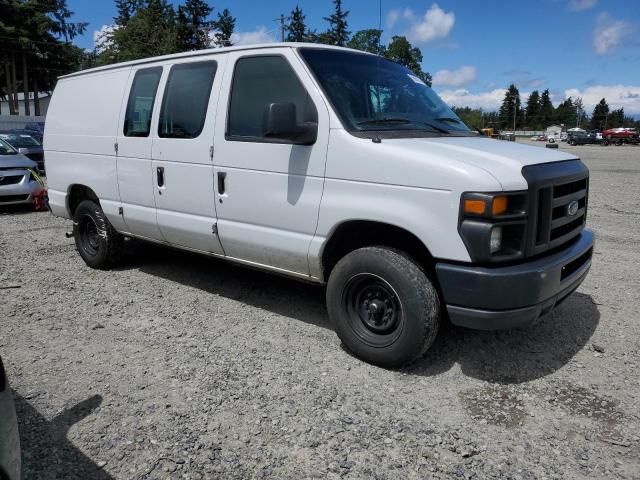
{"x":281,"y":124}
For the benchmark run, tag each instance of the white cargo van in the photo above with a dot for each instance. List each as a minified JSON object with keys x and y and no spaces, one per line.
{"x":329,"y":165}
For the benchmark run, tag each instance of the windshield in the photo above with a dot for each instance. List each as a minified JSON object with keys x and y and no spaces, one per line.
{"x":6,"y":149}
{"x":20,"y":141}
{"x":370,"y":93}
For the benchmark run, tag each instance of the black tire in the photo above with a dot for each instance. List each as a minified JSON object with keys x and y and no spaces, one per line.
{"x":618,"y":143}
{"x":573,"y":143}
{"x":98,"y":243}
{"x":605,"y":143}
{"x":406,"y":317}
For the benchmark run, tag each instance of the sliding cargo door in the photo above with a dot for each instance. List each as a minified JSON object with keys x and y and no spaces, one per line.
{"x":182,"y":156}
{"x":135,"y":180}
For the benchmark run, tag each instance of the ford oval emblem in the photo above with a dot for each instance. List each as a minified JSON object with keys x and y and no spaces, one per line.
{"x":572,"y":208}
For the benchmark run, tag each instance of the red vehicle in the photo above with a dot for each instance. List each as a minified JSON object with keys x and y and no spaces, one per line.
{"x":621,"y":135}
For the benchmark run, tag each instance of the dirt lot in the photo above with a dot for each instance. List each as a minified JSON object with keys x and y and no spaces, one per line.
{"x":177,"y":366}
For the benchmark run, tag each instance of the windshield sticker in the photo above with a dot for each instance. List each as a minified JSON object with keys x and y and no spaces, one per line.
{"x":416,"y":79}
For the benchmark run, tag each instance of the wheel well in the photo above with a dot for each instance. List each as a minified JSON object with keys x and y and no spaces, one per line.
{"x":78,"y":193}
{"x":351,"y":235}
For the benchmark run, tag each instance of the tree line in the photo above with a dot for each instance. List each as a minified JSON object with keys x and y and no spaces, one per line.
{"x":35,"y":48}
{"x":147,"y":28}
{"x":539,"y":113}
{"x":36,"y":35}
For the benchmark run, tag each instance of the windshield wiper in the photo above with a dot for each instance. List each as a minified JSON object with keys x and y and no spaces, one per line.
{"x":387,"y":120}
{"x":377,"y":121}
{"x":448,"y":119}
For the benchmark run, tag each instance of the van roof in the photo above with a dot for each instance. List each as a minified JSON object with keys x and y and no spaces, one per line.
{"x":207,"y":51}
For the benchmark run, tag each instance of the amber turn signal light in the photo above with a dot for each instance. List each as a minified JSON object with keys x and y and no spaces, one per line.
{"x":499,"y":206}
{"x":476,"y":207}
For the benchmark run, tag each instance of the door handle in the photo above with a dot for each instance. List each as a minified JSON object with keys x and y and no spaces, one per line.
{"x":222,"y":178}
{"x":160,"y":175}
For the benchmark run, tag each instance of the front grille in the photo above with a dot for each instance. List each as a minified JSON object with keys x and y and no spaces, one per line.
{"x":11,"y":180}
{"x":13,"y":198}
{"x":553,"y":188}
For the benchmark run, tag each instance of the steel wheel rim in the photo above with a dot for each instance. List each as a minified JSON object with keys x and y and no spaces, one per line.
{"x":373,"y":309}
{"x":89,"y":236}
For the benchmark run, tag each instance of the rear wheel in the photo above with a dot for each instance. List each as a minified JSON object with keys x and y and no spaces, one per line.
{"x":573,"y":143}
{"x":383,"y":306}
{"x":98,"y":243}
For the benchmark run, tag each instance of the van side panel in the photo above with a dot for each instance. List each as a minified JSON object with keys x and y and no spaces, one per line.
{"x":79,"y":139}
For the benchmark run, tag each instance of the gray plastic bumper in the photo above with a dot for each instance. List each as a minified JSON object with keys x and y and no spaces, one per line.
{"x":517,"y":295}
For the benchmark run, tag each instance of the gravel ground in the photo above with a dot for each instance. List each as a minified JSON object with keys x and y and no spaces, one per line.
{"x":178,"y":366}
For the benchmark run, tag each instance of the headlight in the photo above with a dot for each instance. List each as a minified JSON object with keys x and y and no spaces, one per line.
{"x":492,"y":225}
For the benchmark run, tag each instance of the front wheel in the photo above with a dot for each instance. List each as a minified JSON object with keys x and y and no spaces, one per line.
{"x":98,"y":243}
{"x":383,"y":306}
{"x":573,"y":143}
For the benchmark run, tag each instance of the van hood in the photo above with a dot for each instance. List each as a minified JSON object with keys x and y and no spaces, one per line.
{"x":502,"y":159}
{"x":16,"y":161}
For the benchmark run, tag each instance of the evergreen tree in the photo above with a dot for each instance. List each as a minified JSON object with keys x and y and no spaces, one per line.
{"x":367,"y":41}
{"x":224,"y":27}
{"x":472,"y":117}
{"x":402,"y":52}
{"x":191,"y":25}
{"x":510,"y":108}
{"x":297,"y":30}
{"x":546,"y":110}
{"x":125,"y":9}
{"x":35,"y":48}
{"x":337,"y":33}
{"x":616,"y":118}
{"x":532,"y":111}
{"x":150,"y":32}
{"x":600,"y":116}
{"x":565,"y":114}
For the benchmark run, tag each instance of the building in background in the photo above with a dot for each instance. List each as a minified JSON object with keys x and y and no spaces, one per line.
{"x":44,"y":105}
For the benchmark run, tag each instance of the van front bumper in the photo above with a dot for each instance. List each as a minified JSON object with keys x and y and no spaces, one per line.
{"x":514,"y":296}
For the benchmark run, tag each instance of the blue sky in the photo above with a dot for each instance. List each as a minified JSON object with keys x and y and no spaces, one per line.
{"x":474,"y":49}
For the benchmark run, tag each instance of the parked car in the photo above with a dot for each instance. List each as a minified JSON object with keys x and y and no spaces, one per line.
{"x":580,"y":138}
{"x":18,"y":185}
{"x":618,"y":136}
{"x":36,"y":129}
{"x":285,"y":157}
{"x":26,"y":145}
{"x":10,"y":463}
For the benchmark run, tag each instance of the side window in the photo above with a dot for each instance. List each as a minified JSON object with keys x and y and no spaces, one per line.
{"x":257,"y":83}
{"x":186,"y":99}
{"x":137,"y":121}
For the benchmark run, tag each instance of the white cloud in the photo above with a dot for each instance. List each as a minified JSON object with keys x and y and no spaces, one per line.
{"x":434,"y":24}
{"x":617,"y":96}
{"x":392,"y":18}
{"x":609,"y":33}
{"x":455,"y":78}
{"x":260,"y":35}
{"x":102,"y":38}
{"x":579,"y":5}
{"x":489,"y":101}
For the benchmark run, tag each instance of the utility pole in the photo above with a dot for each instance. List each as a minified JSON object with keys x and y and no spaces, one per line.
{"x":281,"y":19}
